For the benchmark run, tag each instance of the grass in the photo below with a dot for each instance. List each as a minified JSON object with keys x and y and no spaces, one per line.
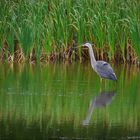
{"x":56,"y":24}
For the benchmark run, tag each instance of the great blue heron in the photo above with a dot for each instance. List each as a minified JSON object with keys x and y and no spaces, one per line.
{"x":102,"y":68}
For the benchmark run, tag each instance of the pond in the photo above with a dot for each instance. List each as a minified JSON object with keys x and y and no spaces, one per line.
{"x":68,"y":101}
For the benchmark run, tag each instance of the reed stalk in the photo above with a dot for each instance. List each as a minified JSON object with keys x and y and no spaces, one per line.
{"x":45,"y":23}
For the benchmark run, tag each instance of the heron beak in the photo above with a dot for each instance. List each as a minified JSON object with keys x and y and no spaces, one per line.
{"x":84,"y":47}
{"x":76,"y":47}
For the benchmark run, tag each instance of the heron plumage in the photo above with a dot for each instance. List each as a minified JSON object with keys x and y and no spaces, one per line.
{"x":104,"y":70}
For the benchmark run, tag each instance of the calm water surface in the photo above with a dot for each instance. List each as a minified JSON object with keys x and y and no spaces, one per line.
{"x":67,"y":101}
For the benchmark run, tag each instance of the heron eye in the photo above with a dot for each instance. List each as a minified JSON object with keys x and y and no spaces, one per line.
{"x":105,"y":64}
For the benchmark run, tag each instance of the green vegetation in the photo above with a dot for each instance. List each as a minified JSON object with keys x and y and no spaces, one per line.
{"x":53,"y":27}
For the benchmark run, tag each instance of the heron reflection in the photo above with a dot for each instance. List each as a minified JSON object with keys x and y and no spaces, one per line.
{"x":102,"y":100}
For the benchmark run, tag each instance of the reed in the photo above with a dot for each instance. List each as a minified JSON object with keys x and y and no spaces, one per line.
{"x":54,"y":25}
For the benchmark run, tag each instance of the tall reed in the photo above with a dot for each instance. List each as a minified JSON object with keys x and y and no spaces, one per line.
{"x":54,"y":24}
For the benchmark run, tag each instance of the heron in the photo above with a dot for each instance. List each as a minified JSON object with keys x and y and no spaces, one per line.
{"x":102,"y":68}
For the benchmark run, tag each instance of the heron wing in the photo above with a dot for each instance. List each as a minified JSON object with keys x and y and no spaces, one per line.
{"x":105,"y":70}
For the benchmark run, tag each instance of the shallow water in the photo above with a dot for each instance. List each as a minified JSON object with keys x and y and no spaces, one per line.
{"x":68,"y":101}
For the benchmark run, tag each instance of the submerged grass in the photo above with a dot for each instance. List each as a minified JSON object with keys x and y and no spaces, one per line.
{"x":56,"y":26}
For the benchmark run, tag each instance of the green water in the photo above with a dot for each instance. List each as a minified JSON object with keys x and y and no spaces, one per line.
{"x":68,"y":101}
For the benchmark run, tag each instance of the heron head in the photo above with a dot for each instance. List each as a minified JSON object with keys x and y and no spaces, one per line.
{"x":87,"y":45}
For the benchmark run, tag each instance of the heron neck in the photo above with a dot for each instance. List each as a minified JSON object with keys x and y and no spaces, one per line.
{"x":92,"y":57}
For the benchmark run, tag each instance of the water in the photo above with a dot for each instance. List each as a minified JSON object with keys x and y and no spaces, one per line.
{"x":67,"y":101}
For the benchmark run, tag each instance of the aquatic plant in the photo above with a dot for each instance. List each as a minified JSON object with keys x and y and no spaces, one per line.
{"x":56,"y":26}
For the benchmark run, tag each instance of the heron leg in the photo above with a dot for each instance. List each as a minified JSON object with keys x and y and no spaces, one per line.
{"x":101,"y":84}
{"x":105,"y":84}
{"x":101,"y":80}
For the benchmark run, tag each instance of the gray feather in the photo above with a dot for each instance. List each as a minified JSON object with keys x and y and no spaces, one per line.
{"x":104,"y":70}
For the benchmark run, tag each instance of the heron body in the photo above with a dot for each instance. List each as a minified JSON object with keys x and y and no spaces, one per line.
{"x":102,"y":68}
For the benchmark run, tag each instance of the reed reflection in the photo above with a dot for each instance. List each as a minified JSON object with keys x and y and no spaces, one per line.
{"x":100,"y":101}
